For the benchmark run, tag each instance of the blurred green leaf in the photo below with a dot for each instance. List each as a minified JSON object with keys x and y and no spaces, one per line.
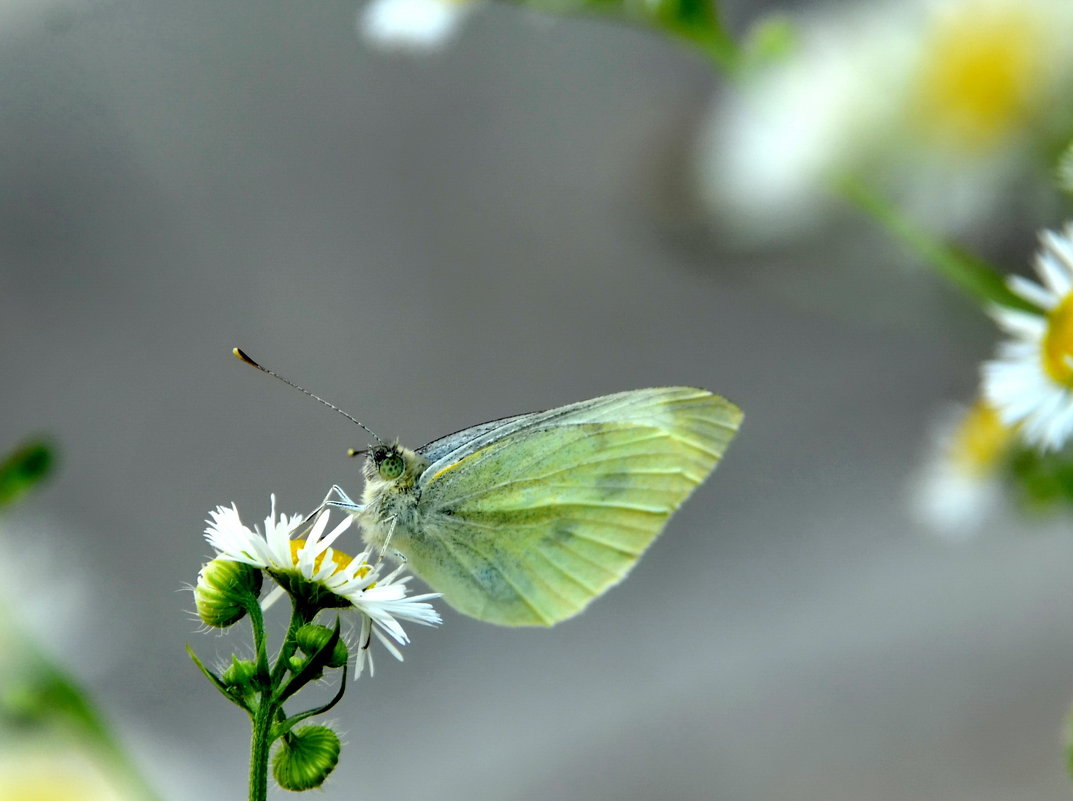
{"x":44,"y":695}
{"x":47,"y":695}
{"x":698,"y":22}
{"x":771,"y":40}
{"x":25,"y":467}
{"x":1043,"y":479}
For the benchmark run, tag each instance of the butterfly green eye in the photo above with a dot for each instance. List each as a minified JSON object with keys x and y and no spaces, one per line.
{"x":390,"y":467}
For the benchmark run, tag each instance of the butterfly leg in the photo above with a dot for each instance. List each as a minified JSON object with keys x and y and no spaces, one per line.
{"x":345,"y":503}
{"x":397,"y":556}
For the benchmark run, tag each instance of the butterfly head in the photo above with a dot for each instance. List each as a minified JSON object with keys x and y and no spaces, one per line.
{"x":393,"y":464}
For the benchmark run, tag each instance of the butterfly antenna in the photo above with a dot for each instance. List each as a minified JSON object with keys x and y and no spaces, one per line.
{"x":241,"y":354}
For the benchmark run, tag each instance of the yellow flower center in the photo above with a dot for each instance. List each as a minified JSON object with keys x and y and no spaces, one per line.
{"x":981,"y":440}
{"x":981,"y":75}
{"x":1058,"y":342}
{"x":341,"y":559}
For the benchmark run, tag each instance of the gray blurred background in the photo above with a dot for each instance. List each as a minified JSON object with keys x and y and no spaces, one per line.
{"x":431,"y":242}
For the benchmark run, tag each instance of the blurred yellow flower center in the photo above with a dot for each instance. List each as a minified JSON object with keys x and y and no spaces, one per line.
{"x":981,"y":439}
{"x":52,"y":772}
{"x":42,"y":788}
{"x":341,"y":559}
{"x":981,"y":74}
{"x":1058,"y":342}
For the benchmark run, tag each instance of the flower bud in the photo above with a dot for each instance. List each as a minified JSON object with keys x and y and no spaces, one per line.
{"x":240,"y":680}
{"x":296,"y":663}
{"x":305,"y":757}
{"x":239,"y":673}
{"x":224,"y":591}
{"x":311,"y":638}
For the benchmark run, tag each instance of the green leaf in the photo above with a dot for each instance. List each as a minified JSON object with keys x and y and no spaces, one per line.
{"x":24,"y":468}
{"x":225,"y":689}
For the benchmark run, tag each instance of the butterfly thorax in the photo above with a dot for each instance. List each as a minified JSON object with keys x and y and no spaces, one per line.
{"x":391,"y":494}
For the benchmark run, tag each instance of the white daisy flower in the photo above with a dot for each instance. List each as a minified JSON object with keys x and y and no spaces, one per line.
{"x":944,"y":104}
{"x":959,"y":484}
{"x":1030,"y":381}
{"x":320,"y":576}
{"x":415,"y":25}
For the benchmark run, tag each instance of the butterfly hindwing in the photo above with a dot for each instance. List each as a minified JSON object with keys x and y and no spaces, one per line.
{"x":526,"y":522}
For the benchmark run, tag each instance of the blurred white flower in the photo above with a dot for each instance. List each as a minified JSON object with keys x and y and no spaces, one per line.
{"x":959,"y":484}
{"x":416,"y":25}
{"x":945,"y":104}
{"x":58,"y":624}
{"x":1030,"y":381}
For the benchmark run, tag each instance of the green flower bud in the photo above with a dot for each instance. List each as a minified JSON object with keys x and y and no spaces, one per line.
{"x":239,"y":673}
{"x":225,"y":589}
{"x":240,"y":681}
{"x":296,"y":663}
{"x":305,"y":757}
{"x":311,"y":638}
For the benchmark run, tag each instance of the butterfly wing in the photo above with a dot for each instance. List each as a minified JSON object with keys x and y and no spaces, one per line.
{"x":526,"y":520}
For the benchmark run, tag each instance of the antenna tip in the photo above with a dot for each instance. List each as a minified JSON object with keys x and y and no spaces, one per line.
{"x":241,"y":354}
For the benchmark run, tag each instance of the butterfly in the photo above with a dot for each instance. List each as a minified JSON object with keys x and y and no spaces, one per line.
{"x":525,"y":520}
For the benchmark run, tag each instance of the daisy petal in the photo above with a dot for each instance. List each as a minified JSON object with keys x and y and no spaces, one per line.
{"x":321,"y":576}
{"x":1030,"y":381}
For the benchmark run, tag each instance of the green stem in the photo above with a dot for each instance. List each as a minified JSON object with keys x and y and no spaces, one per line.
{"x":260,"y":745}
{"x":268,"y":710}
{"x":289,"y":646}
{"x":257,"y":622}
{"x":973,"y":276}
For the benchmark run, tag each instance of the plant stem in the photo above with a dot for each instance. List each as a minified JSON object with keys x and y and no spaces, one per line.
{"x":257,"y":623}
{"x":289,"y":646}
{"x":268,"y":710}
{"x":260,"y":744}
{"x":974,"y":277}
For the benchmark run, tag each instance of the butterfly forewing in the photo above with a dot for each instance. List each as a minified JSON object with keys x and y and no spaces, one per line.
{"x":542,"y":513}
{"x":453,"y":446}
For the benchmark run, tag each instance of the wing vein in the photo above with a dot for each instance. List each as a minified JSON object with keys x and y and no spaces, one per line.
{"x":591,"y":591}
{"x":506,"y":578}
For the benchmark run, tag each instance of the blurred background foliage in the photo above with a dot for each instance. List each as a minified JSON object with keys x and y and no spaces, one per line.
{"x":538,"y":208}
